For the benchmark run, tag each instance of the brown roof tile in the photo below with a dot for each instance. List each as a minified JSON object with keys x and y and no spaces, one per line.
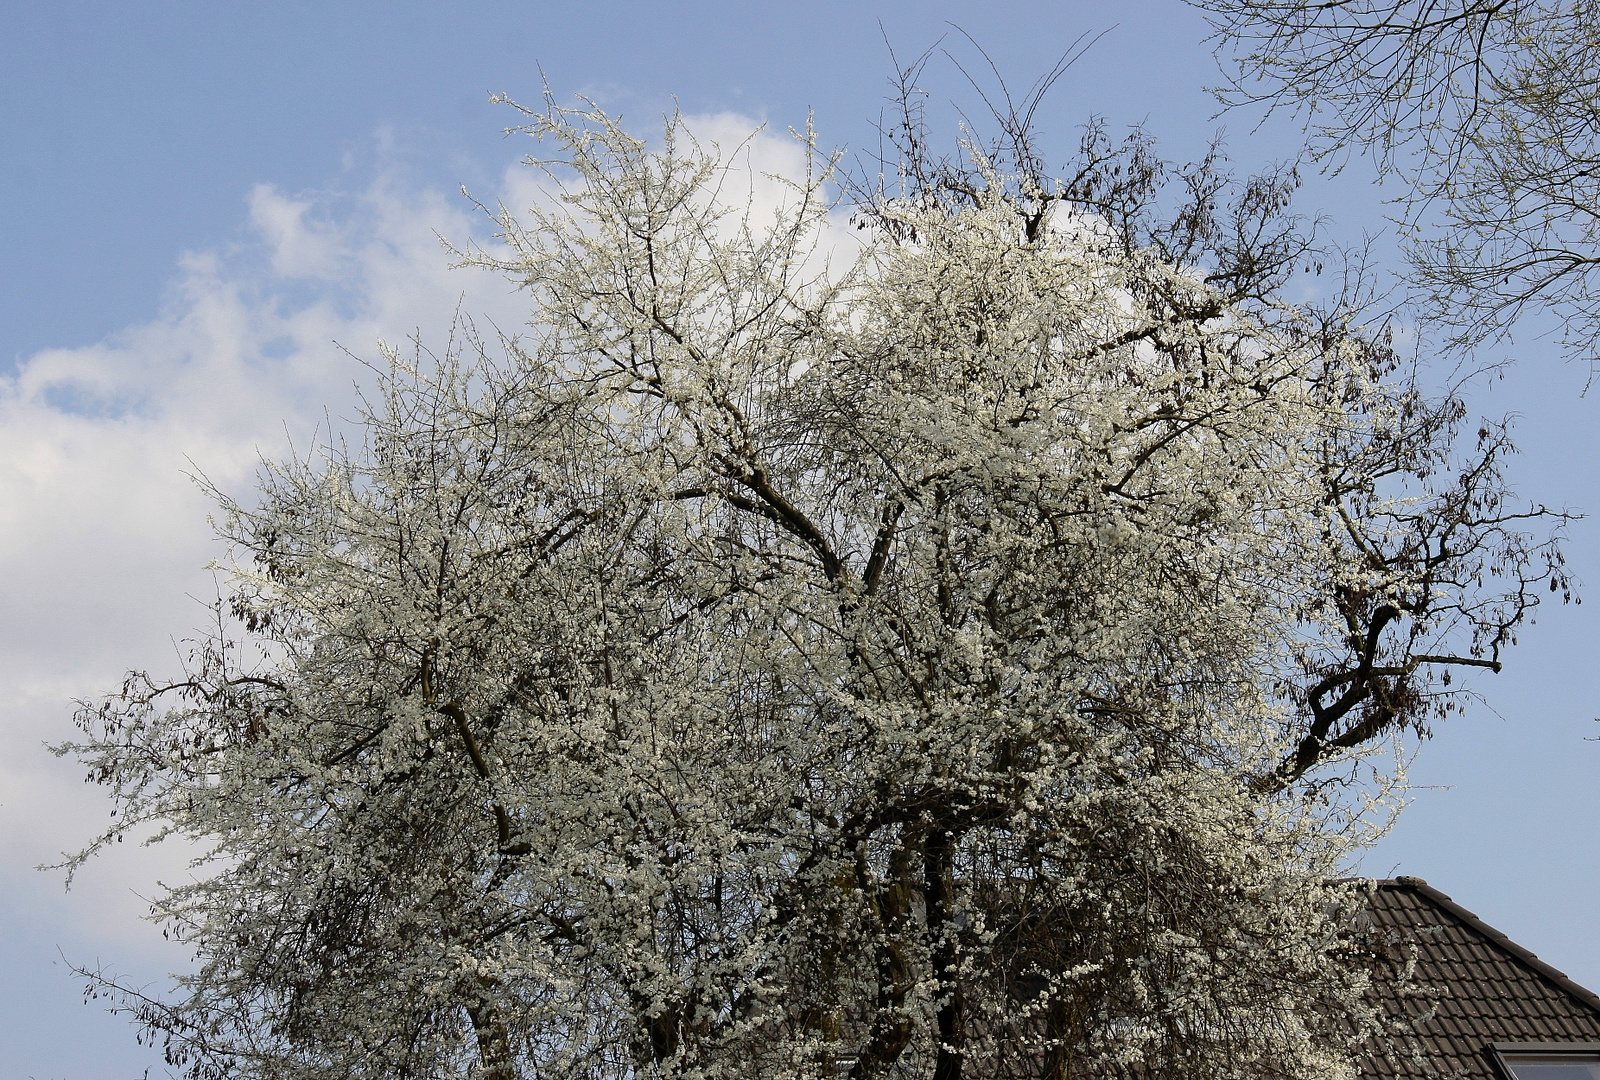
{"x":1483,"y":988}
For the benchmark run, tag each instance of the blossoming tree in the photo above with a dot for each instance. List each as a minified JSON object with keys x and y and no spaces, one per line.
{"x":922,"y":665}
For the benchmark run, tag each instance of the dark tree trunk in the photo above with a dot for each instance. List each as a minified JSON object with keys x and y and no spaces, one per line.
{"x":494,"y":1042}
{"x":946,"y":955}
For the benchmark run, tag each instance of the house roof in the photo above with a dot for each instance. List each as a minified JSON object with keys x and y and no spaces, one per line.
{"x":1482,"y":988}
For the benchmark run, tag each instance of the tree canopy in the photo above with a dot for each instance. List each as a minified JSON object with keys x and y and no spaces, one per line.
{"x":932,"y":658}
{"x":1487,"y":114}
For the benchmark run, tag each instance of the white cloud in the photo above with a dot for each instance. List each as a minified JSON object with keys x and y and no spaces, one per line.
{"x":300,"y":249}
{"x":103,"y":536}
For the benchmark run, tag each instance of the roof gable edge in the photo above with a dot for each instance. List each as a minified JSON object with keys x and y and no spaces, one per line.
{"x":1550,"y":974}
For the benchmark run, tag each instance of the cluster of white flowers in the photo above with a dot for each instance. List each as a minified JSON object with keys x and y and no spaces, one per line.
{"x":913,"y":670}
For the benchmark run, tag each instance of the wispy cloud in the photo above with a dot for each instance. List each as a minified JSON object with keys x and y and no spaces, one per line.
{"x":104,"y":536}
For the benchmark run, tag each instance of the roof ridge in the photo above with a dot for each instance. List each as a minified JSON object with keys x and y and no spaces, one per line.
{"x":1498,"y":938}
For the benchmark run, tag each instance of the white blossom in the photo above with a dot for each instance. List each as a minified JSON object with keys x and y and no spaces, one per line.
{"x":919,"y":668}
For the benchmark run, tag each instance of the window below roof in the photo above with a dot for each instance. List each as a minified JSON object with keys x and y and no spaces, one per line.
{"x":1553,"y":1066}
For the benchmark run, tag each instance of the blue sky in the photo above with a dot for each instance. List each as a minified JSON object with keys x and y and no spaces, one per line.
{"x":198,"y":200}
